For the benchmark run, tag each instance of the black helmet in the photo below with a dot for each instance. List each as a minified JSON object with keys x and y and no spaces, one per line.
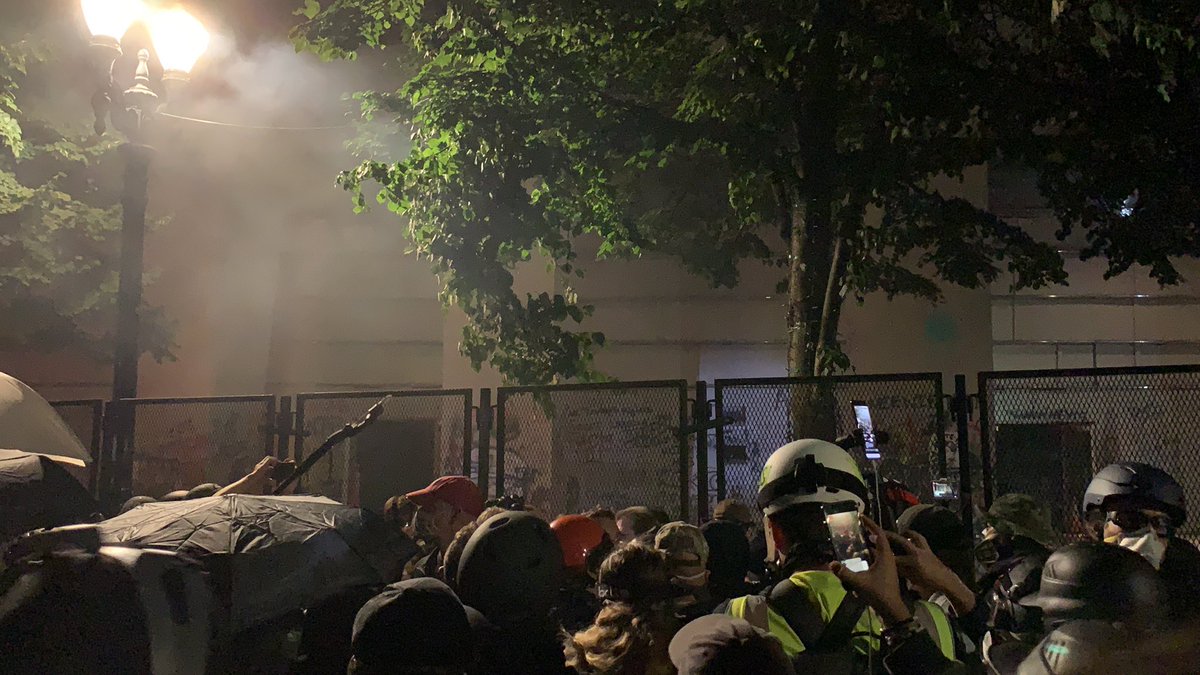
{"x":511,"y":569}
{"x":1141,"y":484}
{"x":1093,"y":580}
{"x":1076,"y":648}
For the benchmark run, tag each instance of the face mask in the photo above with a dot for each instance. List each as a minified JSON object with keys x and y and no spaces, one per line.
{"x":1146,"y":543}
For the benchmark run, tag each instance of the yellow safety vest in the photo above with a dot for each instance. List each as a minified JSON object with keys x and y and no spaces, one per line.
{"x":935,"y":622}
{"x":824,"y":591}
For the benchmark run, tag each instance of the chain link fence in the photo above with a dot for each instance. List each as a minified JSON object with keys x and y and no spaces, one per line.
{"x":419,"y":436}
{"x":757,"y":416}
{"x":85,"y":417}
{"x":568,"y":448}
{"x":1045,"y":433}
{"x":179,"y":443}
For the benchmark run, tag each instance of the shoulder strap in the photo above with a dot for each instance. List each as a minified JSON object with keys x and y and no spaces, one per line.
{"x":841,"y":625}
{"x":790,"y":603}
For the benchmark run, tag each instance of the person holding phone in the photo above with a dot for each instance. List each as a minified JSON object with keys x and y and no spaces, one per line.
{"x":812,"y":495}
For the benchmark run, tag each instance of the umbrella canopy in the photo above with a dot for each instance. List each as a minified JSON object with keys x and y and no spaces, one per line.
{"x":269,"y":555}
{"x":36,"y":492}
{"x":29,"y":423}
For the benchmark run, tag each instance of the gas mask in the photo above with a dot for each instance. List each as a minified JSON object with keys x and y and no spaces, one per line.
{"x":1140,"y":533}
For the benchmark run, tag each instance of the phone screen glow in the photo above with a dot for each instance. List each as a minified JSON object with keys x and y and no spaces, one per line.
{"x":862,"y":416}
{"x":849,"y":545}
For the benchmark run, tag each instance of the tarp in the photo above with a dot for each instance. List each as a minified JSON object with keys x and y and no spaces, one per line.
{"x":36,"y":492}
{"x":29,"y":423}
{"x":273,"y":554}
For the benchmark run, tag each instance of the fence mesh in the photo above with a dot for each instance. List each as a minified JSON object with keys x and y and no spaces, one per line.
{"x":1045,"y":433}
{"x":569,"y":448}
{"x":759,"y":416}
{"x":419,"y":435}
{"x":182,"y":442}
{"x":84,"y":417}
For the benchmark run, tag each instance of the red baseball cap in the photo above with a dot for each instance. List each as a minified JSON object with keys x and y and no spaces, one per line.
{"x":457,"y":491}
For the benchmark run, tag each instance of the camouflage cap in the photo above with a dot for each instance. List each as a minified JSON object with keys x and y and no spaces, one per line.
{"x":685,"y":546}
{"x":733,"y":510}
{"x":1020,"y":515}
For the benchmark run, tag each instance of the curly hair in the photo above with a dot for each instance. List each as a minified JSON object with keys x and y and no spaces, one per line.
{"x":630,"y":634}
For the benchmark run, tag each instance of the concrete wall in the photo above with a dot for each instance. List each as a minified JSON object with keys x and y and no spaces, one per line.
{"x":1124,"y":321}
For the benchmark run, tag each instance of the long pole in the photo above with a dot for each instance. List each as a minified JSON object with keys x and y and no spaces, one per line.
{"x":129,"y":299}
{"x":129,"y":290}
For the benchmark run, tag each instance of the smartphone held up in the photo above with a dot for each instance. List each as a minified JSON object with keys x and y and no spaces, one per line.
{"x":846,"y":534}
{"x":862,"y":418}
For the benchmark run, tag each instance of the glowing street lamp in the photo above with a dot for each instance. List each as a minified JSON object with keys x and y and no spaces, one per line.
{"x":178,"y":40}
{"x":109,"y":20}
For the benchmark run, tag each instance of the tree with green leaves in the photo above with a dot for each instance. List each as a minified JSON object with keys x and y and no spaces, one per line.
{"x":803,"y":135}
{"x":59,"y":197}
{"x":1111,"y":92}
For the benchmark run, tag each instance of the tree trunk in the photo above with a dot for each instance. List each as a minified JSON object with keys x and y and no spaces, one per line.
{"x":827,"y":330}
{"x":848,"y":218}
{"x":813,"y":266}
{"x":797,"y":354}
{"x":811,"y":270}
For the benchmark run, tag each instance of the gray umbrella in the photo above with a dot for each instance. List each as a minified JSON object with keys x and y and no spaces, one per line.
{"x":36,"y":492}
{"x":268,"y":555}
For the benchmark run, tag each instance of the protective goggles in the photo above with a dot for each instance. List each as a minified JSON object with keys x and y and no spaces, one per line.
{"x":1133,"y":520}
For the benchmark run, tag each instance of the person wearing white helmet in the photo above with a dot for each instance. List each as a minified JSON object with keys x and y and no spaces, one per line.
{"x":821,"y":626}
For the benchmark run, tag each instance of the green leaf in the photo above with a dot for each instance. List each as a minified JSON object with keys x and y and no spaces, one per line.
{"x":10,"y":134}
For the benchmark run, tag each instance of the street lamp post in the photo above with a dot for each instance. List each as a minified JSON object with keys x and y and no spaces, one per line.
{"x":126,"y":36}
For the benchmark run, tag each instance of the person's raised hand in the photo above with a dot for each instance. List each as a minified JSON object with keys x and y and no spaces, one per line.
{"x":920,"y":565}
{"x":264,"y":467}
{"x":880,"y":584}
{"x":259,"y":481}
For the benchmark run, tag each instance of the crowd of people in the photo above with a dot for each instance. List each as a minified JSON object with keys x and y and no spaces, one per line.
{"x":491,"y":588}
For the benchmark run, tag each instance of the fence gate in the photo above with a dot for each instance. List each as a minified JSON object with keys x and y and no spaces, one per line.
{"x":568,"y":448}
{"x":419,"y":436}
{"x":86,"y":418}
{"x":178,"y":443}
{"x":757,"y":416}
{"x":1046,"y":432}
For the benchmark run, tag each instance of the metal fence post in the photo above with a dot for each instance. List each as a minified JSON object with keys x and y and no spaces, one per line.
{"x":283,"y":427}
{"x":985,"y":438}
{"x":483,"y":417}
{"x":468,"y":438}
{"x":700,"y":423}
{"x":940,"y":423}
{"x":298,"y":434}
{"x":272,"y":426}
{"x":121,"y":422}
{"x":106,"y":485}
{"x":685,"y":460}
{"x":96,"y":446}
{"x":962,"y":413}
{"x":719,"y":411}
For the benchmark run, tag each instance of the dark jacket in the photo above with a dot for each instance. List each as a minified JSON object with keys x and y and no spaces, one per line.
{"x":1180,"y":573}
{"x":577,"y":607}
{"x":514,"y":651}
